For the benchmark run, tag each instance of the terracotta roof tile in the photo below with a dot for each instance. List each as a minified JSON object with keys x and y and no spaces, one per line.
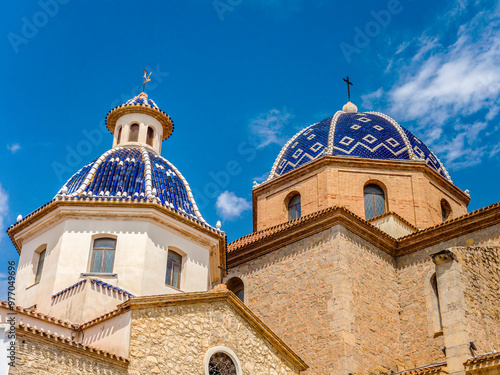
{"x":23,"y":327}
{"x":268,"y":232}
{"x":482,"y":357}
{"x":37,"y":315}
{"x":429,"y":369}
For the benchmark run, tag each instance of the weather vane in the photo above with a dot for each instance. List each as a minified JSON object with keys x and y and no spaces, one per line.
{"x":146,"y":80}
{"x":346,"y":80}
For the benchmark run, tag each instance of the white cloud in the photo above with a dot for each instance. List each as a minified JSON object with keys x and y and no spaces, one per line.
{"x":14,"y":147}
{"x":4,"y":210}
{"x":268,"y":127}
{"x":230,"y":207}
{"x":442,"y":84}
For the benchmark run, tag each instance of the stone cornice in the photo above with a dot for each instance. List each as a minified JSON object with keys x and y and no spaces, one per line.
{"x":74,"y":203}
{"x":270,"y":239}
{"x":267,"y":240}
{"x":217,"y":295}
{"x":70,"y":346}
{"x":372,"y":164}
{"x":476,"y":220}
{"x":162,"y":117}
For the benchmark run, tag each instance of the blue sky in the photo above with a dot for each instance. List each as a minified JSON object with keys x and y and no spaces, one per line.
{"x":239,"y":78}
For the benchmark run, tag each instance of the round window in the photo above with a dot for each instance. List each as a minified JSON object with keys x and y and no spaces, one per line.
{"x":221,"y":364}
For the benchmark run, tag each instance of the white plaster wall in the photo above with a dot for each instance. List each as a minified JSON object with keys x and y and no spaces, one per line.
{"x":139,"y":264}
{"x":144,"y":121}
{"x":4,"y":349}
{"x":112,"y":335}
{"x":28,"y":293}
{"x":195,"y":262}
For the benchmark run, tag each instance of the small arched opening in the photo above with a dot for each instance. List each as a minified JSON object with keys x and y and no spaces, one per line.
{"x":134,"y":133}
{"x":294,"y":207}
{"x":445,"y":210}
{"x":150,"y":136}
{"x":236,"y":286}
{"x":374,"y":201}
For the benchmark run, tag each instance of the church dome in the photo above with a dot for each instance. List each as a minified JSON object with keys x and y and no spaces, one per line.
{"x":126,"y":173}
{"x":368,"y":135}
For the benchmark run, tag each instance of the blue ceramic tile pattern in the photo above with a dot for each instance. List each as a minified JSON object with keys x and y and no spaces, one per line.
{"x":308,"y":145}
{"x":364,"y":135}
{"x":423,"y":152}
{"x":141,"y":101}
{"x":122,"y":175}
{"x":168,"y":184}
{"x":361,"y":135}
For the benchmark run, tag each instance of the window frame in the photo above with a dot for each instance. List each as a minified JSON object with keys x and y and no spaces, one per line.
{"x":174,"y":264}
{"x":228,"y":352}
{"x":103,"y":257}
{"x":382,"y":193}
{"x":292,"y":209}
{"x":40,"y":263}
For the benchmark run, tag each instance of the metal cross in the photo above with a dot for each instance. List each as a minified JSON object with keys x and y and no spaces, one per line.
{"x":146,"y":80}
{"x":346,"y":80}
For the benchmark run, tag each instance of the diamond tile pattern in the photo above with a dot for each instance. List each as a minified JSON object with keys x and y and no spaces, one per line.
{"x":308,"y":145}
{"x":362,"y":135}
{"x":121,"y":175}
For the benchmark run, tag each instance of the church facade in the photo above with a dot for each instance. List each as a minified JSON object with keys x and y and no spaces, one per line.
{"x":363,"y":260}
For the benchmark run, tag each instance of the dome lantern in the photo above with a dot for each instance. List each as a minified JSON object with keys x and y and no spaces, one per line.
{"x":139,"y":122}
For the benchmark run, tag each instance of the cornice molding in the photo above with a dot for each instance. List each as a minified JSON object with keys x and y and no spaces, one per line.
{"x":372,"y":164}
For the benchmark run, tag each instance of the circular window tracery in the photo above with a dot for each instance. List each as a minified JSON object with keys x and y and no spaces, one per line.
{"x":221,"y":364}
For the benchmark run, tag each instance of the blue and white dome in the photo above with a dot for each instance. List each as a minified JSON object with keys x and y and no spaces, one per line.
{"x":127,"y":173}
{"x":369,"y":135}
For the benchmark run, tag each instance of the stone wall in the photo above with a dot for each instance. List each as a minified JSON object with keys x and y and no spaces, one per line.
{"x":174,"y":339}
{"x":421,"y":337}
{"x":291,"y":290}
{"x":375,"y":306}
{"x":45,"y":356}
{"x":481,"y":273}
{"x":333,"y":298}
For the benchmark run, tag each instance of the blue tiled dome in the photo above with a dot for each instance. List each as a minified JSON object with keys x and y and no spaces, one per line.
{"x":369,"y":135}
{"x":133,"y":173}
{"x":142,"y":100}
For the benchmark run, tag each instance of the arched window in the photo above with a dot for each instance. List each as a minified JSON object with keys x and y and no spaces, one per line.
{"x":119,"y":137}
{"x":236,"y":286}
{"x":294,"y":207}
{"x":134,"y":133}
{"x":174,"y":263}
{"x":438,"y":323}
{"x":150,"y":136}
{"x":221,"y":364}
{"x":445,"y":210}
{"x":220,"y":360}
{"x":103,"y":255}
{"x":39,"y":267}
{"x":374,"y":201}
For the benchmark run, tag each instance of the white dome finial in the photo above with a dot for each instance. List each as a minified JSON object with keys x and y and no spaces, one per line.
{"x":350,"y":108}
{"x":218,"y":225}
{"x":19,"y":218}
